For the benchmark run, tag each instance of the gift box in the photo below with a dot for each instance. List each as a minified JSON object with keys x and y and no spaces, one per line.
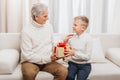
{"x":60,"y":49}
{"x":60,"y":52}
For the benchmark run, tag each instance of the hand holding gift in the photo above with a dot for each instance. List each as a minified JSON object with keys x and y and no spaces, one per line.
{"x":60,"y":50}
{"x":53,"y":57}
{"x":71,"y":52}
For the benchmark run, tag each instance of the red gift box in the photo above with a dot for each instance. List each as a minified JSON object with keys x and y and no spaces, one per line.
{"x":59,"y":49}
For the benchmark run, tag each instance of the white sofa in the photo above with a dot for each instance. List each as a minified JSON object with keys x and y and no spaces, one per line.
{"x":108,"y":69}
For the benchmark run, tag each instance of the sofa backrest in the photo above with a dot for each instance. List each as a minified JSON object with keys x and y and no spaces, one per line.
{"x":12,"y":40}
{"x":107,"y":40}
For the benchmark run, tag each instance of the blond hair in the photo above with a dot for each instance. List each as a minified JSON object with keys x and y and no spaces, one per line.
{"x":84,"y":20}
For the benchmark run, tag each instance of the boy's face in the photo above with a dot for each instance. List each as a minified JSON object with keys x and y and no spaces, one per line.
{"x":78,"y":27}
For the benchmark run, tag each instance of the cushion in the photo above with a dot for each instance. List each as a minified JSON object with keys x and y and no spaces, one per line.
{"x":44,"y":76}
{"x":16,"y":75}
{"x":113,"y":54}
{"x":105,"y":71}
{"x":8,"y":60}
{"x":97,"y":51}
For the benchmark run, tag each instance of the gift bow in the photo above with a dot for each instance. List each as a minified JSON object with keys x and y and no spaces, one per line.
{"x":60,"y":44}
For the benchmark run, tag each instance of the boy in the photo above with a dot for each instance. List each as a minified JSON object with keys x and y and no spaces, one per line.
{"x":80,"y":54}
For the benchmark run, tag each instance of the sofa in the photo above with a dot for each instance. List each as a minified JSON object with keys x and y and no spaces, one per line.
{"x":105,"y":57}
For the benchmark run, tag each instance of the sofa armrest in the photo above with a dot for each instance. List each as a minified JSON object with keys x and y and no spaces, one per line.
{"x":8,"y":60}
{"x":113,"y":54}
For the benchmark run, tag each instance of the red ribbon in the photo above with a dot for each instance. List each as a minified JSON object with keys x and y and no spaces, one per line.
{"x":60,"y":44}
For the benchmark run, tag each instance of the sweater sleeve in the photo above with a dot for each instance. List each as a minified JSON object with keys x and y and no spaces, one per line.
{"x":28,"y":54}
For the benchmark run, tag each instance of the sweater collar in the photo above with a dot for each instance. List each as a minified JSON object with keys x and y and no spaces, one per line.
{"x":37,"y":25}
{"x":79,"y":36}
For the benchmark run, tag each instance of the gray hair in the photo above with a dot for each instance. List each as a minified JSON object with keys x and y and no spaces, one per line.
{"x":37,"y":9}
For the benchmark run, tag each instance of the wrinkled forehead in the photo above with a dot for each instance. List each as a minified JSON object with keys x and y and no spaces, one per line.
{"x":43,"y":13}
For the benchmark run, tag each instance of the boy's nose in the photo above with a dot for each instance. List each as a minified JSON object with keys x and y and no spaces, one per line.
{"x":73,"y":27}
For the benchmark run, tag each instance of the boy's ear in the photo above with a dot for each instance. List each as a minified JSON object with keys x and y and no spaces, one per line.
{"x":83,"y":28}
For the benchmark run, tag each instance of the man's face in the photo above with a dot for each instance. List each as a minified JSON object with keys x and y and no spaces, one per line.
{"x":42,"y":17}
{"x":77,"y":27}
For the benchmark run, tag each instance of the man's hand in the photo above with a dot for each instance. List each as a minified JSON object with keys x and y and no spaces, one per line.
{"x":68,"y":37}
{"x":53,"y":57}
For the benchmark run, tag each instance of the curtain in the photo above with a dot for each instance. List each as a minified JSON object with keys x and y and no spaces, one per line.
{"x":10,"y":16}
{"x":104,"y":15}
{"x":27,"y":5}
{"x":15,"y":14}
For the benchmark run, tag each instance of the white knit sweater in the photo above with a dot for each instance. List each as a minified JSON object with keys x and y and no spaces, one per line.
{"x":83,"y":48}
{"x":36,"y":43}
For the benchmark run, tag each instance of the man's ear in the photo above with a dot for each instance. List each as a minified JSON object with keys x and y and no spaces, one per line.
{"x":36,"y":17}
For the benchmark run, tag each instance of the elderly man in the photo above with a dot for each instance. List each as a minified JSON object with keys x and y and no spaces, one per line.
{"x":36,"y":47}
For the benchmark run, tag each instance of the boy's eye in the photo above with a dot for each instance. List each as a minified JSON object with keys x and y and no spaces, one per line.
{"x":75,"y":25}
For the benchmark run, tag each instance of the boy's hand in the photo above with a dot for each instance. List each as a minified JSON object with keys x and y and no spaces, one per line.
{"x":71,"y":52}
{"x":68,"y":37}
